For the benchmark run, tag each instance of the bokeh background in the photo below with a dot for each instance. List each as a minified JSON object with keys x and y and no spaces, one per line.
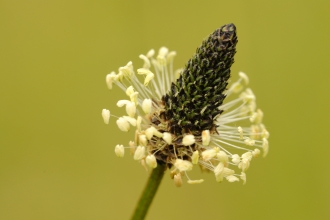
{"x":57,"y":156}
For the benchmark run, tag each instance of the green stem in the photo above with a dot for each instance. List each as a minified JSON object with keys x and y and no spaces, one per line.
{"x":149,"y":192}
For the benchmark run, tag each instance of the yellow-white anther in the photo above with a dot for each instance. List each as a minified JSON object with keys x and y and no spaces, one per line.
{"x":195,"y":181}
{"x":146,"y":105}
{"x":240,"y":131}
{"x":121,"y":103}
{"x":244,"y":77}
{"x":249,"y":142}
{"x":153,"y":132}
{"x":123,"y":124}
{"x":218,"y":172}
{"x":148,"y":73}
{"x":170,"y":56}
{"x":254,"y":117}
{"x":183,"y":165}
{"x":126,"y":71}
{"x":151,"y":53}
{"x":163,"y":51}
{"x":222,"y":157}
{"x":167,"y":137}
{"x":232,"y":178}
{"x":210,"y":153}
{"x":143,"y":164}
{"x":264,"y":132}
{"x":148,"y":78}
{"x":138,"y":123}
{"x":134,"y":97}
{"x":244,"y":164}
{"x":195,"y":157}
{"x":151,"y":161}
{"x":236,"y":87}
{"x":143,"y":140}
{"x":254,"y":132}
{"x":132,"y":147}
{"x":256,"y":153}
{"x":219,"y":178}
{"x":131,"y":109}
{"x":248,"y":96}
{"x":106,"y":115}
{"x":206,"y":137}
{"x":259,"y":117}
{"x":157,"y":133}
{"x":219,"y":169}
{"x":119,"y":150}
{"x":110,"y":78}
{"x":146,"y":64}
{"x":243,"y":177}
{"x":129,"y":91}
{"x":265,"y":146}
{"x":130,"y":106}
{"x":188,"y":139}
{"x":131,"y":120}
{"x":139,"y":153}
{"x":235,"y":158}
{"x":149,"y":132}
{"x":227,"y":172}
{"x":119,"y":76}
{"x":177,"y":180}
{"x":247,"y":155}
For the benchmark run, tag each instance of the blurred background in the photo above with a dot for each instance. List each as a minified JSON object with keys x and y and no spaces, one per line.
{"x":57,"y":156}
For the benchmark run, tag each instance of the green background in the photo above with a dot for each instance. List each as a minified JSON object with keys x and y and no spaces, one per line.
{"x":57,"y":156}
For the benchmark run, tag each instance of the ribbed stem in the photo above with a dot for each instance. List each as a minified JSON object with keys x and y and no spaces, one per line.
{"x":149,"y":192}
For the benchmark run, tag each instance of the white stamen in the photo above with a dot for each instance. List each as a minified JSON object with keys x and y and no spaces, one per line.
{"x":243,"y":177}
{"x":206,"y":137}
{"x":232,"y":179}
{"x":130,"y":109}
{"x":167,"y":137}
{"x":265,"y":146}
{"x":130,"y":91}
{"x":110,"y":78}
{"x":222,"y":157}
{"x":131,"y":120}
{"x":119,"y":150}
{"x":249,"y":142}
{"x":183,"y":165}
{"x":123,"y":124}
{"x":240,"y":130}
{"x":143,"y":140}
{"x":151,"y":161}
{"x":146,"y":105}
{"x":195,"y":157}
{"x":146,"y":64}
{"x":195,"y":181}
{"x":210,"y":153}
{"x":139,"y":153}
{"x":244,"y":77}
{"x":188,"y":140}
{"x":106,"y":115}
{"x":177,"y":180}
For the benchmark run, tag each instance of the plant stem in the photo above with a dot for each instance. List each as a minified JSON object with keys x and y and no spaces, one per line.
{"x":149,"y":192}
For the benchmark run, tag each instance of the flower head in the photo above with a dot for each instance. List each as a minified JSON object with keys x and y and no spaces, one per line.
{"x":183,"y":118}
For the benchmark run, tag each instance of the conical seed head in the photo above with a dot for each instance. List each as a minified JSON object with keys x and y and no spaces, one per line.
{"x":193,"y":101}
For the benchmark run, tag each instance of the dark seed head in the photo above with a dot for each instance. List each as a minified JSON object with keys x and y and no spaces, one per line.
{"x":193,"y":102}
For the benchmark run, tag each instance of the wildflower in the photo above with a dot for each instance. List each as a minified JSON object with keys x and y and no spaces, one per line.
{"x":189,"y":116}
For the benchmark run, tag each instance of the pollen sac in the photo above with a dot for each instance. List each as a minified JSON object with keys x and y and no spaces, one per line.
{"x":193,"y":100}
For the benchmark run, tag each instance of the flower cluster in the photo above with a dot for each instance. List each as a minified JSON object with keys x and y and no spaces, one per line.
{"x":179,"y":117}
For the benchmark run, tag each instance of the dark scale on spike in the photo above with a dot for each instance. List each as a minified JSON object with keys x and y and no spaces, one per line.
{"x":193,"y":102}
